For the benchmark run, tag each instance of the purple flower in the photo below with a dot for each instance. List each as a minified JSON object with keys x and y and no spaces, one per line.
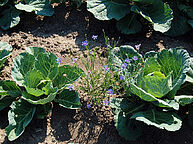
{"x":74,"y":60}
{"x":106,"y":68}
{"x":110,"y":91}
{"x":84,"y":43}
{"x":109,"y":46}
{"x":137,"y":47}
{"x":105,"y":102}
{"x":92,"y":52}
{"x":121,"y":77}
{"x":88,"y":106}
{"x":135,"y":58}
{"x":94,"y":37}
{"x":90,"y":86}
{"x":127,"y":60}
{"x":70,"y":87}
{"x":124,"y":66}
{"x":58,"y":60}
{"x":89,"y":72}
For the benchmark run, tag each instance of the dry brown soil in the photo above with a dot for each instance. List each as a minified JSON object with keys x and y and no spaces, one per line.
{"x":62,"y":34}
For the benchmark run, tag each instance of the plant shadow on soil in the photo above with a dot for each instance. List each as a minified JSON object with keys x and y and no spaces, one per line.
{"x":62,"y":34}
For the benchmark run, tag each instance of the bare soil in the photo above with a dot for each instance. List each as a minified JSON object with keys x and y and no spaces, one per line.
{"x":62,"y":34}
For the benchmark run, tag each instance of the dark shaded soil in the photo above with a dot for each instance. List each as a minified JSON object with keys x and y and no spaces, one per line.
{"x":63,"y":34}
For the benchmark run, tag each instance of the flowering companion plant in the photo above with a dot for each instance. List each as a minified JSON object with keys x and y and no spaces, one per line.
{"x":157,"y":86}
{"x":38,"y":81}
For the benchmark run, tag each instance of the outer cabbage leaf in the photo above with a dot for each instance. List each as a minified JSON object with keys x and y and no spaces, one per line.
{"x":163,"y":120}
{"x":43,"y":110}
{"x":35,"y":51}
{"x":186,"y":9}
{"x":148,"y":97}
{"x":129,"y":129}
{"x":47,"y":65}
{"x":190,"y":22}
{"x":6,"y":101}
{"x":108,"y":9}
{"x":5,"y":51}
{"x":3,"y":2}
{"x":66,"y":75}
{"x":179,"y":24}
{"x":158,"y":13}
{"x":9,"y":91}
{"x":19,"y":116}
{"x":190,"y":115}
{"x":184,"y":96}
{"x":8,"y":87}
{"x":68,"y":99}
{"x":22,"y":64}
{"x":189,"y":74}
{"x":118,"y":56}
{"x":41,"y":7}
{"x":129,"y":24}
{"x":9,"y":17}
{"x":41,"y":99}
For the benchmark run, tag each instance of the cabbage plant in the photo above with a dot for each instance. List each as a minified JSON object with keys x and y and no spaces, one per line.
{"x":38,"y":81}
{"x":170,"y":17}
{"x":5,"y":52}
{"x":11,"y":9}
{"x":155,"y":86}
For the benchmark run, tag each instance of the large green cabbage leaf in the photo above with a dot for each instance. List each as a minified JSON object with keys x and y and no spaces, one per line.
{"x":19,"y":116}
{"x":41,"y":7}
{"x":5,"y":52}
{"x":22,"y":64}
{"x":66,"y":75}
{"x":157,"y":12}
{"x":163,"y":120}
{"x":127,"y":128}
{"x":129,"y":24}
{"x":9,"y":17}
{"x":68,"y":99}
{"x":9,"y":91}
{"x":3,"y":2}
{"x":108,"y":9}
